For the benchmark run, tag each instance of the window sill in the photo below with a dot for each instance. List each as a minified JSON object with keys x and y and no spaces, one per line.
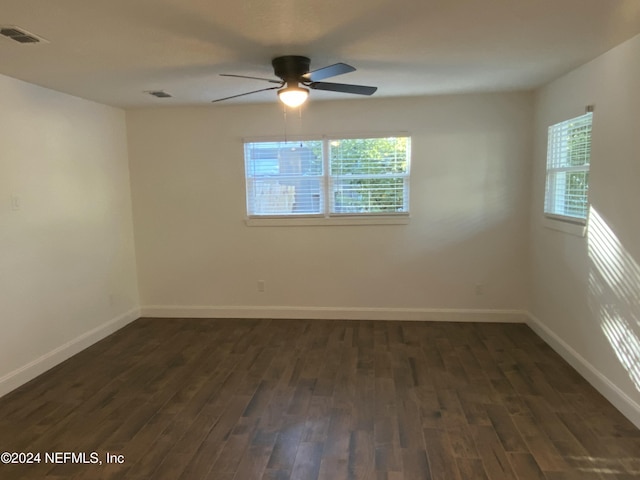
{"x":566,"y":227}
{"x":327,"y":221}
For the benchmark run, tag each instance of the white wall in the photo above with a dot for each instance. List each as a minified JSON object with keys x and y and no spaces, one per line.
{"x":469,"y":209}
{"x":67,"y":258}
{"x":586,"y":290}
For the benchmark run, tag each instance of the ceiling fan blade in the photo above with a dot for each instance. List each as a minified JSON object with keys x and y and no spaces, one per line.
{"x":279,"y":82}
{"x":330,"y":71}
{"x":343,"y":87}
{"x":247,"y":93}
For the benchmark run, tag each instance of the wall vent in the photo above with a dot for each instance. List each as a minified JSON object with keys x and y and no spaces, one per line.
{"x":20,"y":35}
{"x":159,"y":93}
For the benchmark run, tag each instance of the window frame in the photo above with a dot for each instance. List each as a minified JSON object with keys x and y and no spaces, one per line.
{"x":553,"y":171}
{"x":326,"y":216}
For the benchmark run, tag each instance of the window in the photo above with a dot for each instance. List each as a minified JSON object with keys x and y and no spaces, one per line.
{"x":568,"y":160}
{"x":329,"y":177}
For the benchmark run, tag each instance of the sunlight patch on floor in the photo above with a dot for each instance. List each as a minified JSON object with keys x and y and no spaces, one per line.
{"x":602,"y":465}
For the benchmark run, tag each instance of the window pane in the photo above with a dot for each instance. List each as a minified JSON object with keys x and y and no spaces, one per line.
{"x":284,"y":178}
{"x":385,"y":195}
{"x":369,"y":175}
{"x":575,"y":194}
{"x":570,"y":143}
{"x":282,"y":158}
{"x":369,"y":156}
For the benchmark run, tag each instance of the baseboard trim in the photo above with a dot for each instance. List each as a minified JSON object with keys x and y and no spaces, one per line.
{"x":22,"y":375}
{"x":627,"y":406}
{"x":337,"y":313}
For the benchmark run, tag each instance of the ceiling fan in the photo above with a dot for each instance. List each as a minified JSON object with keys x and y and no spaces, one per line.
{"x":293,"y":70}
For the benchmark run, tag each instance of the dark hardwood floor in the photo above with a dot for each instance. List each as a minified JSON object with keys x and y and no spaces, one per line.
{"x":281,"y":399}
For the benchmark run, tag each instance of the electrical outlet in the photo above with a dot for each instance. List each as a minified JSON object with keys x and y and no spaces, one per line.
{"x":15,"y":202}
{"x":261,"y":285}
{"x":479,"y":289}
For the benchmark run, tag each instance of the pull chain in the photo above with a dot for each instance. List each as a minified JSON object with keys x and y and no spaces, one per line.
{"x":284,"y":114}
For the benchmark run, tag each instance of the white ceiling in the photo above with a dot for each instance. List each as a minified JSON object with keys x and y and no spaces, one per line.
{"x":111,"y":51}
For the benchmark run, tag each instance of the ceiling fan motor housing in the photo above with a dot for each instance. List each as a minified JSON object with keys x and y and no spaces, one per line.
{"x":291,"y":68}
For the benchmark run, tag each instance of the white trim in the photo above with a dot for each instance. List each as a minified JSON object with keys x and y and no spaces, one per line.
{"x":564,"y":226}
{"x":629,"y":407}
{"x":323,"y":136}
{"x":326,"y":178}
{"x":400,"y":219}
{"x":337,"y":313}
{"x":626,"y":405}
{"x":22,"y":375}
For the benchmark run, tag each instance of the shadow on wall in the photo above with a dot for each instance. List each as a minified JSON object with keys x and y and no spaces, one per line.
{"x":614,"y":293}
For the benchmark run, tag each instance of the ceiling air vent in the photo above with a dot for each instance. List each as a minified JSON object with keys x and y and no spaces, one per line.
{"x":20,"y":35}
{"x":159,"y":93}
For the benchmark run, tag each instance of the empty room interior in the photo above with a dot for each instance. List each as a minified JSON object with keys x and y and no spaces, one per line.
{"x":428,"y":269}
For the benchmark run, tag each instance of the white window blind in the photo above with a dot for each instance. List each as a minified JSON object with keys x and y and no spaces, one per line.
{"x":369,"y":175}
{"x":568,"y":162}
{"x":328,"y":177}
{"x":284,"y":178}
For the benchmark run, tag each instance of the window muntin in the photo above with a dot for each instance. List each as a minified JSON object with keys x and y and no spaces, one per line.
{"x":568,"y":163}
{"x":328,"y":177}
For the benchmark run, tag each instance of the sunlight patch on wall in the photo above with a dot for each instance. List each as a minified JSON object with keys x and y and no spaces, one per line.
{"x":614,"y":293}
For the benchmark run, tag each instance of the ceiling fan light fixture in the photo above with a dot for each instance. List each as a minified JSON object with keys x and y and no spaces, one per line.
{"x":293,"y":96}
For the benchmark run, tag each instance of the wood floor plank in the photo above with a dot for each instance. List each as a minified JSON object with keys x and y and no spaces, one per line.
{"x":361,"y":454}
{"x":494,"y":459}
{"x":286,"y":446}
{"x":474,"y":406}
{"x":505,"y":429}
{"x":472,"y":469}
{"x":442,"y":462}
{"x":542,"y":449}
{"x":453,"y":414}
{"x":317,"y":420}
{"x":307,"y":462}
{"x":462,"y":443}
{"x":525,"y":466}
{"x":234,"y":399}
{"x":415,"y":464}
